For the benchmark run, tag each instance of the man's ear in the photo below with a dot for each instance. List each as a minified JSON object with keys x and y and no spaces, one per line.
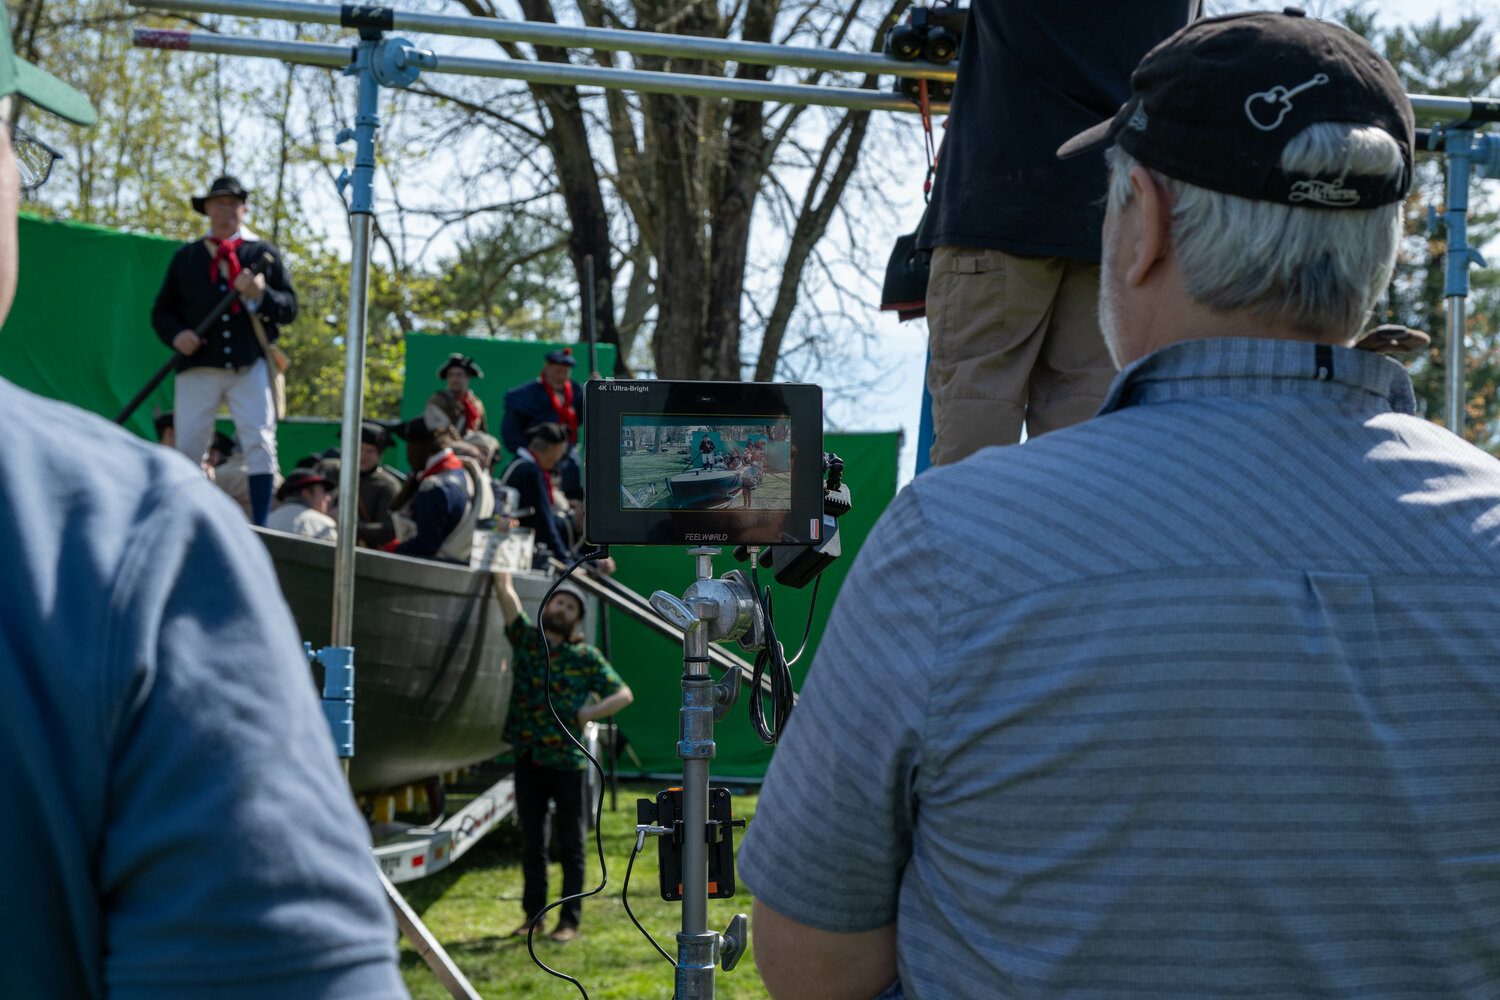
{"x":1154,"y":240}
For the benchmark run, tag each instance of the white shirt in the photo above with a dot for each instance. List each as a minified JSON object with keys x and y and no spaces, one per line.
{"x":297,"y":518}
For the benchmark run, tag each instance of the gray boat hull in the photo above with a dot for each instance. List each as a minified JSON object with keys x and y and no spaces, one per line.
{"x":432,"y":666}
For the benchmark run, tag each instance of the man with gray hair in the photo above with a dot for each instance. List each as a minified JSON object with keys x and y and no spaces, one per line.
{"x":1209,"y":703}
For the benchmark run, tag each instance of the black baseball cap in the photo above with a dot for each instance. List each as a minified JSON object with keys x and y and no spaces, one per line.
{"x":1216,"y":103}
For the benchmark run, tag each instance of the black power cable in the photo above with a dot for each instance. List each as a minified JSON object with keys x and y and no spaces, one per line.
{"x":599,"y":806}
{"x":625,"y":898}
{"x":770,"y":660}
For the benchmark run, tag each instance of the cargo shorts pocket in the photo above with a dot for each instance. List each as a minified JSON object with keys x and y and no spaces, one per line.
{"x":965,"y":301}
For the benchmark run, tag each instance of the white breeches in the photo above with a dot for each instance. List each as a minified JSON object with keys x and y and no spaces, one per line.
{"x":199,"y":391}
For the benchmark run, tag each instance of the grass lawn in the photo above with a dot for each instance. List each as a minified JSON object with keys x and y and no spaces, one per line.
{"x":471,"y":906}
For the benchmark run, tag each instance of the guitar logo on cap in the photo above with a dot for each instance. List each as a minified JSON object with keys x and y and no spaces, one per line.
{"x":1277,"y":101}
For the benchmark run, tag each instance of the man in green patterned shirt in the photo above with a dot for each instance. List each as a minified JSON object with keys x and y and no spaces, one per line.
{"x":549,"y":766}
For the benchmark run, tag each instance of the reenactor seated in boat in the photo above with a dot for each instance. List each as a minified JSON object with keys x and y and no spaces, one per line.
{"x":378,"y":487}
{"x":456,"y":406}
{"x":166,"y":432}
{"x":530,"y":474}
{"x":304,"y":499}
{"x":550,"y":398}
{"x":228,"y":470}
{"x":444,"y":499}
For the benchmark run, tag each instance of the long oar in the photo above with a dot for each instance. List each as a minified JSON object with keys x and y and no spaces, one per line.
{"x":172,"y":363}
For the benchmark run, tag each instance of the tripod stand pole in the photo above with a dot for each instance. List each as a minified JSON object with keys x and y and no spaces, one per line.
{"x":697,"y":946}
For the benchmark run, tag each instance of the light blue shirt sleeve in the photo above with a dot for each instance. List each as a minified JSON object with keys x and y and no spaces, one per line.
{"x":833,"y":828}
{"x":233,"y":861}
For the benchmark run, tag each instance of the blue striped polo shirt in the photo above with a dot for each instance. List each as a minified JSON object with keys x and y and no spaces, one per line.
{"x":1200,"y":698}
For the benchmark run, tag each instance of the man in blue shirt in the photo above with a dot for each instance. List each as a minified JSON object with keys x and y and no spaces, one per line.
{"x":1206,"y":702}
{"x":186,"y":831}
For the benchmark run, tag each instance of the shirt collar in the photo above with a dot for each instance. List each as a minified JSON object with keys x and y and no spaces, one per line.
{"x":1249,"y":366}
{"x":435,"y":459}
{"x":242,"y":233}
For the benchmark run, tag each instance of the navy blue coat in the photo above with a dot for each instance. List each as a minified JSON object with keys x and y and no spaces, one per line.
{"x":527,"y":405}
{"x":438,"y":508}
{"x":526,"y":477}
{"x":189,"y":292}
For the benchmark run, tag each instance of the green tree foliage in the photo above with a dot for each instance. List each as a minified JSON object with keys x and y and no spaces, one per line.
{"x":510,"y":281}
{"x":169,"y":122}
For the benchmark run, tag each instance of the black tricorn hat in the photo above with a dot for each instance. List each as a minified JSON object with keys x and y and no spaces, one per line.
{"x":549,"y":432}
{"x":160,"y":419}
{"x":562,"y":356}
{"x":462,"y":361}
{"x":415,"y":429}
{"x":299,"y":480}
{"x":378,"y":434}
{"x":221,"y":185}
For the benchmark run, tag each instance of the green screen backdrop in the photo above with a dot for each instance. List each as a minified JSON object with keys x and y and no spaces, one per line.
{"x":80,"y":329}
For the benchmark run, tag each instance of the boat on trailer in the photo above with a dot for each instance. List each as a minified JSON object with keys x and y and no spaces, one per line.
{"x":702,"y":485}
{"x":432,"y":666}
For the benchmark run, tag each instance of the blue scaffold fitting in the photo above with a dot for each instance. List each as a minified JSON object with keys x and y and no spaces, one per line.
{"x":338,"y":694}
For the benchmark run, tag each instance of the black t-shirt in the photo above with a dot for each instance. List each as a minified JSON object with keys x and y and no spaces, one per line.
{"x":1030,"y":77}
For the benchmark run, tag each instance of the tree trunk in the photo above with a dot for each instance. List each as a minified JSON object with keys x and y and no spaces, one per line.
{"x":676,"y":137}
{"x":578,"y":179}
{"x":743,"y":172}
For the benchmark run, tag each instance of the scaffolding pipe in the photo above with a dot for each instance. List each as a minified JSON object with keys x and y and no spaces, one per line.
{"x":650,"y":43}
{"x":557,"y":74}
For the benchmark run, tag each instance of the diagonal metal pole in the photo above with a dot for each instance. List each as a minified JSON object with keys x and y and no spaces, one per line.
{"x":431,"y":950}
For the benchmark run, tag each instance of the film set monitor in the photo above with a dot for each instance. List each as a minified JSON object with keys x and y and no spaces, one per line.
{"x":703,"y":463}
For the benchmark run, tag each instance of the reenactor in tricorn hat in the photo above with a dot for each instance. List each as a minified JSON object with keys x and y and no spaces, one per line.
{"x":228,"y":364}
{"x":378,"y":486}
{"x":444,"y":499}
{"x":304,"y":499}
{"x":550,"y":398}
{"x":456,"y":406}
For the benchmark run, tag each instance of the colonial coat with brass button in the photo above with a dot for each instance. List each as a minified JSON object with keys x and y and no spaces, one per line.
{"x":193,"y":286}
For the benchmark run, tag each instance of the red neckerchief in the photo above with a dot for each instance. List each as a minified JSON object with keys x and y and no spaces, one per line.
{"x":471,"y":412}
{"x":563,"y":407}
{"x":547,"y":476}
{"x":445,"y":461}
{"x":226,"y":255}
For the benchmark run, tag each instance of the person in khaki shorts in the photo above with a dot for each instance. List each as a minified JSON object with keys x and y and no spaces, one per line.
{"x":1015,"y":341}
{"x":1012,"y":300}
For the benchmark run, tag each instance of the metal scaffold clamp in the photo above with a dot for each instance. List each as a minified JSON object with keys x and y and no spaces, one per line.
{"x":398,"y":63}
{"x":338,"y":692}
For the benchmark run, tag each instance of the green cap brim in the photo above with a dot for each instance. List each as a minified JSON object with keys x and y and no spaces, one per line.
{"x":48,"y":92}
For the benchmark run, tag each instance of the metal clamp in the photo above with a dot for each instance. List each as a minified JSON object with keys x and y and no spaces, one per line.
{"x":338,"y":692}
{"x":398,"y":62}
{"x":734,"y":942}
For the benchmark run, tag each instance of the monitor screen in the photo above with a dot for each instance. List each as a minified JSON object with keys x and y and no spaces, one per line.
{"x":703,"y":462}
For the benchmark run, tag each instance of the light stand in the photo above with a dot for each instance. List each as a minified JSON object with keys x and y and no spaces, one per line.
{"x":1465,"y":151}
{"x":710,"y":611}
